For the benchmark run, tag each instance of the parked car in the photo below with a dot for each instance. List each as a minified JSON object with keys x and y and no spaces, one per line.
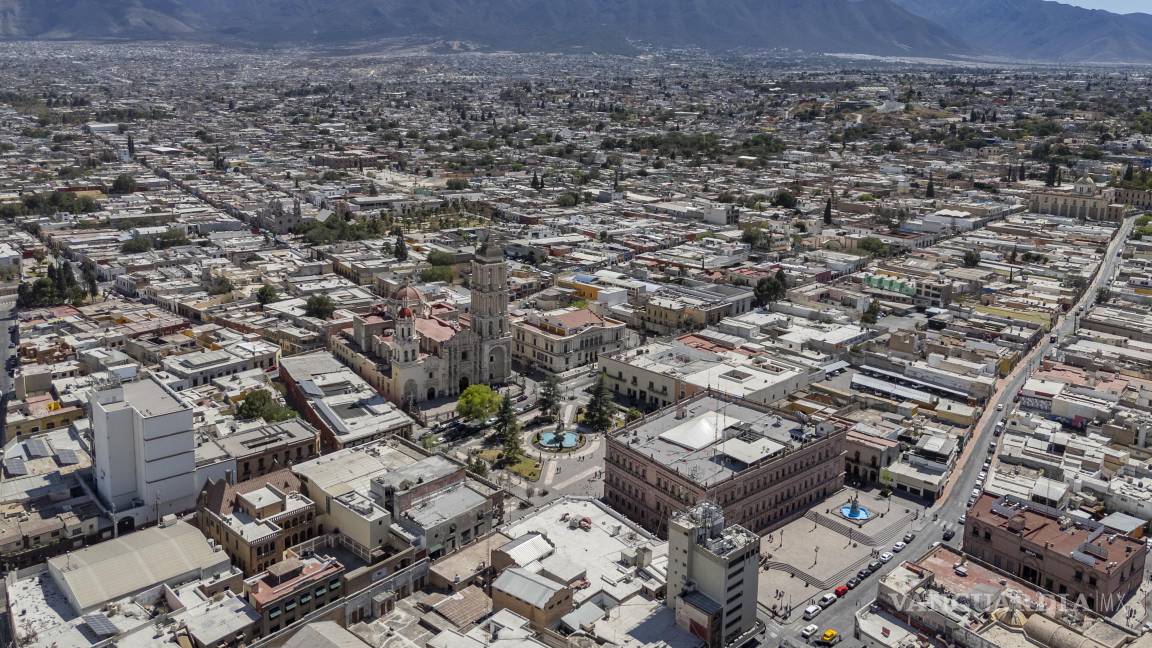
{"x":898,"y":547}
{"x":863,"y":573}
{"x":909,"y":537}
{"x":828,"y":599}
{"x":829,"y":637}
{"x":949,"y":533}
{"x":885,"y":557}
{"x":1000,"y":407}
{"x":852,"y":582}
{"x":809,"y":630}
{"x":811,"y":612}
{"x":874,"y":565}
{"x":841,"y":591}
{"x":963,"y":519}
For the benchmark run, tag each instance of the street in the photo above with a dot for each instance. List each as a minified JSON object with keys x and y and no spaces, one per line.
{"x":953,"y":504}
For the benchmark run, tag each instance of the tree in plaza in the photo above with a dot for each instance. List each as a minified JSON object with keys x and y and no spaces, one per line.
{"x":267,"y":294}
{"x":477,"y":403}
{"x":549,"y":400}
{"x":320,"y":306}
{"x":598,"y":413}
{"x":508,"y":427}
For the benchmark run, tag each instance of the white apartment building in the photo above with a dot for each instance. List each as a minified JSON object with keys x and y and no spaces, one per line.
{"x":713,"y":574}
{"x":145,"y":452}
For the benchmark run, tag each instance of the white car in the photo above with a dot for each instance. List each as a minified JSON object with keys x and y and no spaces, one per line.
{"x":898,"y":547}
{"x":885,"y":557}
{"x":1000,"y":407}
{"x":809,"y":630}
{"x":975,"y":492}
{"x":982,"y":476}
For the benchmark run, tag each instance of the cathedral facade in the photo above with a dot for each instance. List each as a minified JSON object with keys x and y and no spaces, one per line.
{"x":414,"y":351}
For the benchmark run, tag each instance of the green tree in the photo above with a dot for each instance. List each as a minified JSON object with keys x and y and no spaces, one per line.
{"x":457,"y":184}
{"x":931,"y":191}
{"x":873,"y":246}
{"x":971,"y":258}
{"x":88,"y":269}
{"x":436,"y":273}
{"x":319,"y":306}
{"x":549,"y":399}
{"x":123,"y":184}
{"x":267,"y":294}
{"x":598,"y":413}
{"x":219,"y":286}
{"x":400,"y":248}
{"x":1128,"y":173}
{"x":477,"y":403}
{"x":767,"y":290}
{"x":438,"y":258}
{"x":261,"y":404}
{"x":131,"y":147}
{"x":871,"y":314}
{"x":828,"y":212}
{"x":136,"y":246}
{"x":508,"y":427}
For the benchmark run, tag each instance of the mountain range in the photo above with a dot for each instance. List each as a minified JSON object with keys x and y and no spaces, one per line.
{"x":1014,"y":29}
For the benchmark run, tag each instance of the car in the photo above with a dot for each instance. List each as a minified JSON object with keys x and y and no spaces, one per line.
{"x":971,"y":501}
{"x":885,"y":557}
{"x":935,"y":544}
{"x":874,"y":565}
{"x":841,"y":591}
{"x":811,"y":612}
{"x":949,"y":533}
{"x":863,"y":573}
{"x":982,"y":476}
{"x":828,"y":599}
{"x":852,"y":583}
{"x":975,"y":492}
{"x":960,"y":570}
{"x":1000,"y":407}
{"x":963,"y":519}
{"x":909,"y":537}
{"x":987,"y":465}
{"x":898,"y":547}
{"x":809,"y":630}
{"x":829,"y":637}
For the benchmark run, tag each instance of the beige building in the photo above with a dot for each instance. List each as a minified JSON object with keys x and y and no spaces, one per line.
{"x":1076,"y":558}
{"x":256,"y":520}
{"x":713,"y":575}
{"x":564,"y":339}
{"x":413,"y":353}
{"x":761,"y":466}
{"x":1085,"y":201}
{"x":537,"y":598}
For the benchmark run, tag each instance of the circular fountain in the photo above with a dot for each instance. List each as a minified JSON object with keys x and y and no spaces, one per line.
{"x":853,"y":511}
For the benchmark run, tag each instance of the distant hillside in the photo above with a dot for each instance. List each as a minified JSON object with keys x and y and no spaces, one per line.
{"x":1042,"y":30}
{"x":863,"y":26}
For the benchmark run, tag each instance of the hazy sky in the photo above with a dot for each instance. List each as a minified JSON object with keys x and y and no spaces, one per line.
{"x":1121,"y":6}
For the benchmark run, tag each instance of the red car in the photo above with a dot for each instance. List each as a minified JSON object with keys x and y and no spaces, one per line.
{"x":841,"y":591}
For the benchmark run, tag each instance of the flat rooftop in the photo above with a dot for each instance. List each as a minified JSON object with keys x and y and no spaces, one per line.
{"x":709,"y":440}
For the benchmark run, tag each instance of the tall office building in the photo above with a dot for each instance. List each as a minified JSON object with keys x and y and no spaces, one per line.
{"x":145,"y":452}
{"x":713,"y":573}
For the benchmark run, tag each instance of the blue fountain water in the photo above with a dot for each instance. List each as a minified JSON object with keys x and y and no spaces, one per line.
{"x":855,"y":512}
{"x":566,"y":440}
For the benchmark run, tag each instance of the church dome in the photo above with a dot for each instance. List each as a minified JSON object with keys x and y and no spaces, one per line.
{"x":407,"y":293}
{"x":405,"y":313}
